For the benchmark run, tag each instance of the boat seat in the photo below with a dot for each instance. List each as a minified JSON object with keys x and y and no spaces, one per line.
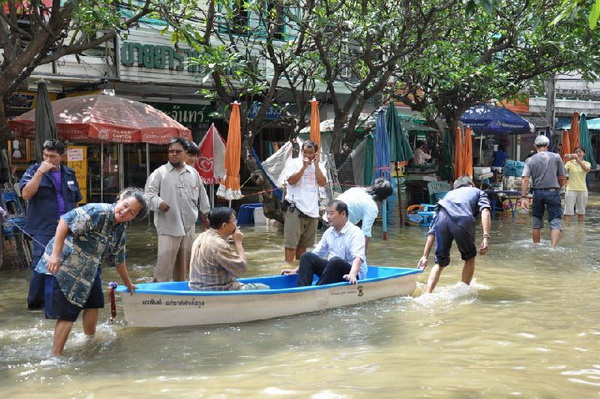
{"x":437,"y":187}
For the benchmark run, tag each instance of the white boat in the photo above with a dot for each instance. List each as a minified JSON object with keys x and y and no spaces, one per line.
{"x":174,"y":304}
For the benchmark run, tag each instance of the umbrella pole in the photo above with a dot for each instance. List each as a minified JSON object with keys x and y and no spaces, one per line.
{"x":481,"y":150}
{"x":384,"y":216}
{"x":102,"y":171}
{"x":212,"y":195}
{"x":147,"y":161}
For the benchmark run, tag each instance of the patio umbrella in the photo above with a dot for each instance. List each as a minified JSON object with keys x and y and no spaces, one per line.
{"x":447,"y":167}
{"x":45,"y":127}
{"x":458,"y":153}
{"x":211,"y":162}
{"x":586,"y":142}
{"x":467,"y":160}
{"x":400,"y":150}
{"x":487,"y":119}
{"x":102,"y":117}
{"x":574,"y":136}
{"x":230,"y":187}
{"x":315,"y":122}
{"x":566,"y":145}
{"x":382,"y":161}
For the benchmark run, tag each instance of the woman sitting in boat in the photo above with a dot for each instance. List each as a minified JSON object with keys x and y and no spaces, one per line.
{"x":344,"y":245}
{"x":215,"y":266}
{"x":85,"y":237}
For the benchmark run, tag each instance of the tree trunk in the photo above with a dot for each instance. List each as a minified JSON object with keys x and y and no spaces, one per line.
{"x":272,"y":206}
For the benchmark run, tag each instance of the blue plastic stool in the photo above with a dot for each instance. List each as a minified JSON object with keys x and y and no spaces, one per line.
{"x":246,"y":213}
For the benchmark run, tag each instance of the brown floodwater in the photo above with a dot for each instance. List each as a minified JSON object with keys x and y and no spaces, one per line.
{"x":528,"y":326}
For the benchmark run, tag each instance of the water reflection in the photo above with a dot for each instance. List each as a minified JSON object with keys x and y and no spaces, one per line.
{"x":526,"y":327}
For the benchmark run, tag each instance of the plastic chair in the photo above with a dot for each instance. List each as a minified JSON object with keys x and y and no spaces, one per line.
{"x":437,"y":187}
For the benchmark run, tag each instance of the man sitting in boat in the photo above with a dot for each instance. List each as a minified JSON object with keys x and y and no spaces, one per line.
{"x":454,"y":220}
{"x":344,"y":245}
{"x":215,"y":266}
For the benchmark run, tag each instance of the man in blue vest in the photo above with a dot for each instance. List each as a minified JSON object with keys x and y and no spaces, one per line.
{"x":51,"y":190}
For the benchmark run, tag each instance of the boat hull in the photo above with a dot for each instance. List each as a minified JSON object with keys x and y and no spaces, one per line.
{"x":172,"y":304}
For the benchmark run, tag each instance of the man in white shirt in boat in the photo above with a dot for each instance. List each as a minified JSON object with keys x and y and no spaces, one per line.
{"x":454,"y":220}
{"x":362,"y":204}
{"x":344,"y":245}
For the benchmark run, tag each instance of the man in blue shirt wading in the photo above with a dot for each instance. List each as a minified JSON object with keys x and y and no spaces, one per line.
{"x":454,"y":220}
{"x":52,"y":190}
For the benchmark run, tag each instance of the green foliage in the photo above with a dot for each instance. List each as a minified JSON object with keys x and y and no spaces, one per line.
{"x":494,"y":55}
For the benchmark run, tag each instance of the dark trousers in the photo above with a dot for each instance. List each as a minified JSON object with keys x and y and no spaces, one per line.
{"x":35,"y":297}
{"x":329,"y":271}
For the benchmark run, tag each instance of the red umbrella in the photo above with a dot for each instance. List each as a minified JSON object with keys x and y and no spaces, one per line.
{"x":458,"y":153}
{"x":574,"y":138}
{"x":230,"y":188}
{"x":315,"y":122}
{"x":211,"y":162}
{"x":467,"y":160}
{"x":103,"y":117}
{"x":566,"y":144}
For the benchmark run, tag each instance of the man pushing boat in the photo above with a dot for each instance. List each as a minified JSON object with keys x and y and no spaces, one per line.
{"x":454,"y":220}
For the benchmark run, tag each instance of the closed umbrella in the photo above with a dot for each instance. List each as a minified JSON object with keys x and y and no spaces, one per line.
{"x":400,"y":150}
{"x":574,"y":136}
{"x":382,"y":161}
{"x":467,"y":161}
{"x":45,"y":127}
{"x":230,"y":187}
{"x":315,"y":122}
{"x":447,"y":167}
{"x":548,"y":134}
{"x":211,"y":160}
{"x":458,"y":153}
{"x":586,"y":142}
{"x":566,"y":144}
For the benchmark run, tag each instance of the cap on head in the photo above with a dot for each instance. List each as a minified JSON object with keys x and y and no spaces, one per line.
{"x":541,"y":141}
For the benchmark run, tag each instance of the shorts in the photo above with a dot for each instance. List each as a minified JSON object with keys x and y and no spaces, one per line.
{"x":546,"y":200}
{"x":575,"y":201}
{"x":59,"y":306}
{"x":299,"y":231}
{"x":446,"y":231}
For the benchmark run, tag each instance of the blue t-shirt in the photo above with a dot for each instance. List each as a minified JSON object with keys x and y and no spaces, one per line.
{"x":499,"y":158}
{"x":464,"y":204}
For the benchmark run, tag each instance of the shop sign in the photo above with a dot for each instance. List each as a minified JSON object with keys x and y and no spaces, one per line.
{"x":21,"y":100}
{"x":157,"y":57}
{"x":186,"y":114}
{"x":273,"y":113}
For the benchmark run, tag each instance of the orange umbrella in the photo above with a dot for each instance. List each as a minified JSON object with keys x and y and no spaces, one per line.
{"x":574,"y":136}
{"x":315,"y":122}
{"x":468,"y":154}
{"x":458,"y":153}
{"x":230,"y":188}
{"x":566,"y":144}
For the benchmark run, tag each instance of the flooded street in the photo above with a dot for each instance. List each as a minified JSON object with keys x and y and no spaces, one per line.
{"x":529,"y":326}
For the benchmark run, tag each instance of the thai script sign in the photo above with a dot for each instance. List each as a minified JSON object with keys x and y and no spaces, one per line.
{"x":157,"y":57}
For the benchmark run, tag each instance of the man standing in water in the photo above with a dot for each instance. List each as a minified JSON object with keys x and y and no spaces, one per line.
{"x":304,"y":175}
{"x":51,"y":190}
{"x":176,"y":195}
{"x":454,"y":220}
{"x":546,"y":171}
